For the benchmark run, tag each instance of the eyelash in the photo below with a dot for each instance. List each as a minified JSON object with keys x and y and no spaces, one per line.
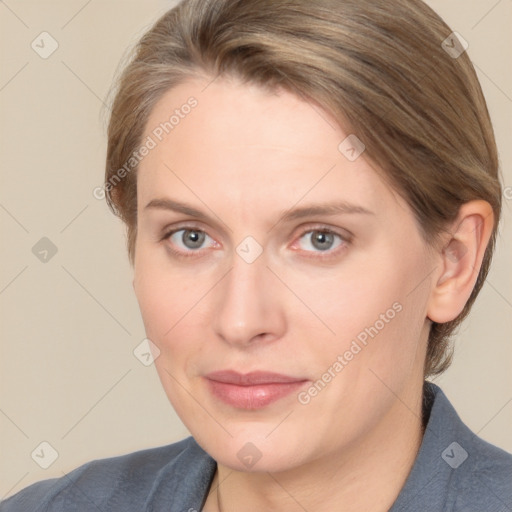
{"x":321,"y":255}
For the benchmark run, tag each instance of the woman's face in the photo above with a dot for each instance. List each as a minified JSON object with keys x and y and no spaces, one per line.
{"x":288,"y":255}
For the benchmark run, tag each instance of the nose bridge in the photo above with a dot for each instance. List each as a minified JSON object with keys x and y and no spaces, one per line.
{"x":248,"y":307}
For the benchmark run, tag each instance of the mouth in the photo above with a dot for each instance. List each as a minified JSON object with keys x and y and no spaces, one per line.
{"x":253,"y":390}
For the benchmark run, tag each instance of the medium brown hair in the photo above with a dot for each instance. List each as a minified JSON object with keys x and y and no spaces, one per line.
{"x":380,"y":67}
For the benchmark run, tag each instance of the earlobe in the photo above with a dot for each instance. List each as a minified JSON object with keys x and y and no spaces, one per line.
{"x":460,"y":260}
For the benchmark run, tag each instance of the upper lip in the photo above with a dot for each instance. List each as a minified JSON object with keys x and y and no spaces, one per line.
{"x":252,"y":378}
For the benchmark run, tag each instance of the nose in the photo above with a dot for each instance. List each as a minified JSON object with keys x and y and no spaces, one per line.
{"x":249,"y":309}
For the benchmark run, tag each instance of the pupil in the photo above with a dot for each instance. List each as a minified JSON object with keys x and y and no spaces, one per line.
{"x":194,"y":238}
{"x":322,"y":238}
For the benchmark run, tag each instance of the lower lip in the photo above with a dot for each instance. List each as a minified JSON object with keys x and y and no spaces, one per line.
{"x":252,"y":397}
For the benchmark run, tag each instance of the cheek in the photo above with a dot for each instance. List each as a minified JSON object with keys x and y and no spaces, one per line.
{"x":377,"y":307}
{"x":162,"y":296}
{"x":166,"y":303}
{"x":172,"y":307}
{"x":342,"y":302}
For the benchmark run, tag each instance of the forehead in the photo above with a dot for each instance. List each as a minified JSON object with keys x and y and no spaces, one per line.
{"x":239,"y":142}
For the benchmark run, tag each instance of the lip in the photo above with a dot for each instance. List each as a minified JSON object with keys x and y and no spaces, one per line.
{"x":253,"y":390}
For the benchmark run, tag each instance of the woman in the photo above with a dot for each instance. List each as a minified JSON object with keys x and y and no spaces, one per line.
{"x":311,"y":197}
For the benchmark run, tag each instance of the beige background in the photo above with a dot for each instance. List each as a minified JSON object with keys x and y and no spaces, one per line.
{"x":69,"y":326}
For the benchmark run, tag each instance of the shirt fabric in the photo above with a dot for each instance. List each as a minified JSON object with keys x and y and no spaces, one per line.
{"x":454,"y":471}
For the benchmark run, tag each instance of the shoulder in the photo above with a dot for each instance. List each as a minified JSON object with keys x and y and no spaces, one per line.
{"x":476,"y":475}
{"x":455,"y":470}
{"x":486,"y":481}
{"x":128,"y":482}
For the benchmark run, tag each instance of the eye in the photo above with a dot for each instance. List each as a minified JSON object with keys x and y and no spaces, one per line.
{"x":322,"y":241}
{"x":188,"y":240}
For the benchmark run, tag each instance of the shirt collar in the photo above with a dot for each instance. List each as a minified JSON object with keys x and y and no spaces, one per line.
{"x":442,"y":452}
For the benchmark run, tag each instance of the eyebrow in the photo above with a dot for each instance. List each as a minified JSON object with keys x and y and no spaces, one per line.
{"x":340,"y":207}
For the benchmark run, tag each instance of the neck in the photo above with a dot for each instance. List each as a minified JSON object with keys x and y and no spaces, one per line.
{"x":366,"y":476}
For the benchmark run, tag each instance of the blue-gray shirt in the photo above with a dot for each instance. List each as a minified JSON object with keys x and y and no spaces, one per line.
{"x":454,"y":471}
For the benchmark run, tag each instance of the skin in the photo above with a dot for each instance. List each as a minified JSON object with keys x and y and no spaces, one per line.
{"x":243,"y":157}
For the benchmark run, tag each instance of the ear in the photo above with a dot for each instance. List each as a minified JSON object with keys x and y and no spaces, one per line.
{"x":460,"y":260}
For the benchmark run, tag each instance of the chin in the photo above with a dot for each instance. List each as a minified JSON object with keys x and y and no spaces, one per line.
{"x":254,"y":450}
